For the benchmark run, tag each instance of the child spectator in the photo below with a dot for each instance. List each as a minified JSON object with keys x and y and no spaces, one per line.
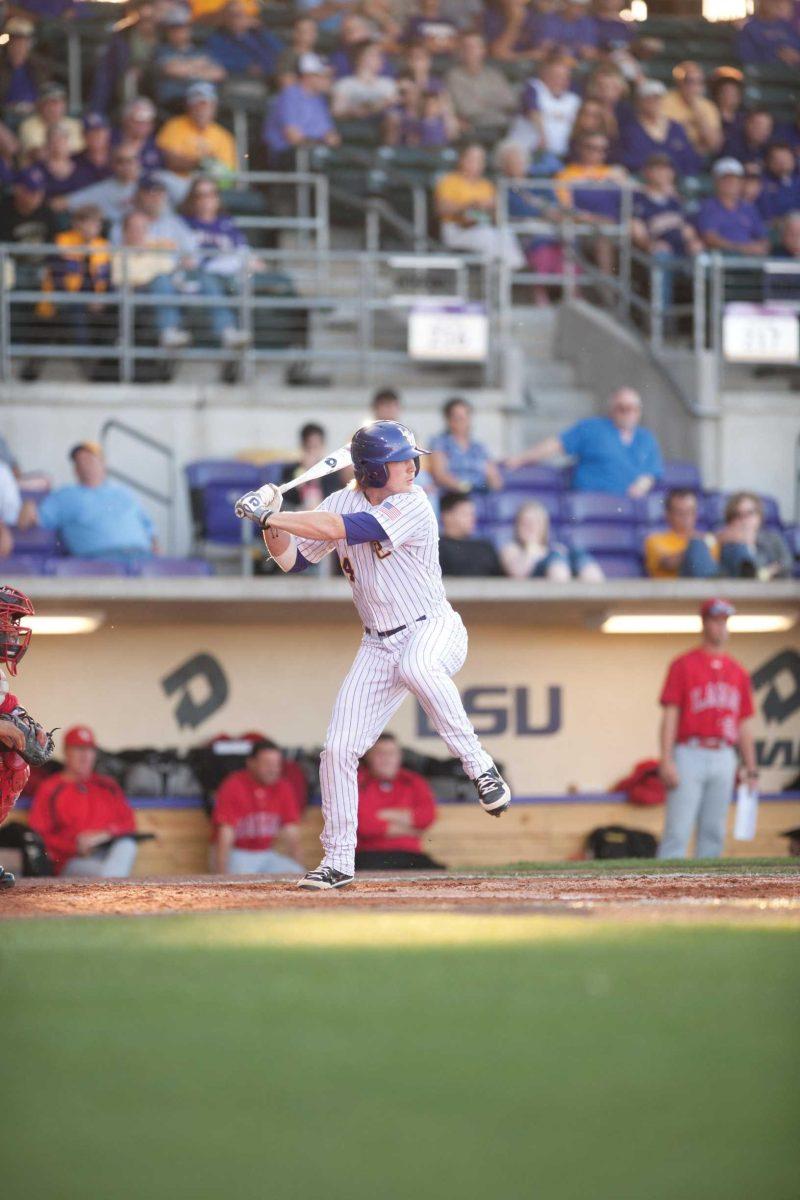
{"x":466,"y":204}
{"x":725,"y":220}
{"x":481,"y":96}
{"x":544,"y":254}
{"x":592,"y":118}
{"x":660,"y":225}
{"x":220,"y":251}
{"x":688,"y":104}
{"x":127,"y":58}
{"x":242,"y":47}
{"x":770,"y":36}
{"x":549,"y":108}
{"x":299,"y":115}
{"x":194,"y":141}
{"x":366,"y":93}
{"x":150,"y":271}
{"x":251,"y":807}
{"x":780,"y":183}
{"x":84,"y":818}
{"x":679,"y":550}
{"x":416,"y":120}
{"x":178,"y":63}
{"x":83,"y":265}
{"x":93,"y":164}
{"x":458,"y":462}
{"x":650,"y":131}
{"x":531,"y":554}
{"x":460,"y":552}
{"x":394,"y":807}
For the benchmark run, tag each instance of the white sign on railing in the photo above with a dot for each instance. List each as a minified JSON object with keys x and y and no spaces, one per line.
{"x":448,"y":333}
{"x":760,"y":333}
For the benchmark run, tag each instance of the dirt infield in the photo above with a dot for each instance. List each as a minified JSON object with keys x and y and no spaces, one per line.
{"x":687,"y":896}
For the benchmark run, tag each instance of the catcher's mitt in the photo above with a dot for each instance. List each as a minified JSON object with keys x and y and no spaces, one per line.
{"x":26,"y":736}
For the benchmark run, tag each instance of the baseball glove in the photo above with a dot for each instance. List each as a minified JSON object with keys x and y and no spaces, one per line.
{"x":19,"y":731}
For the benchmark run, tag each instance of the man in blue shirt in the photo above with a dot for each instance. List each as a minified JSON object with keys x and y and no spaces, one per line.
{"x":571,"y":30}
{"x":242,"y":47}
{"x":96,"y":518}
{"x":726,"y":221}
{"x":612,"y":454}
{"x":770,"y":36}
{"x":299,"y":115}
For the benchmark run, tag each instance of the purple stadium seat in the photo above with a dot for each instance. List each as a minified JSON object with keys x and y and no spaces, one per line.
{"x":792,"y":535}
{"x":713,"y":505}
{"x":78,"y":567}
{"x":536,"y":478}
{"x":483,"y":505}
{"x":498,"y":532}
{"x":651,"y":509}
{"x":505,"y":505}
{"x":215,"y":484}
{"x":577,"y":507}
{"x":616,"y":539}
{"x":678,"y":474}
{"x":171,"y":567}
{"x":620,"y":566}
{"x":225,"y":471}
{"x":21,"y":564}
{"x":36,"y":541}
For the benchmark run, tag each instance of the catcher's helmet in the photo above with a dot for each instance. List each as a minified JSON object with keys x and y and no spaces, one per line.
{"x":379,"y":443}
{"x":14,"y":638}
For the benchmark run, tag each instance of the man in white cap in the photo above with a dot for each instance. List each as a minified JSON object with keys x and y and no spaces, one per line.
{"x":195,"y":141}
{"x":708,"y":707}
{"x":300,"y":115}
{"x":22,"y":74}
{"x":650,"y":131}
{"x":726,"y":221}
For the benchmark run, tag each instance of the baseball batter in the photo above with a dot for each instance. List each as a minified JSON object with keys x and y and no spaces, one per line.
{"x":384,"y":531}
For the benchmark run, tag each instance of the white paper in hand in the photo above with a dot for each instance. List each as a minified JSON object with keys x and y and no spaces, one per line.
{"x":746,"y":820}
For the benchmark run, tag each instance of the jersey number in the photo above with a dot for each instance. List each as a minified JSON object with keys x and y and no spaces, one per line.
{"x":380,"y":551}
{"x":347,"y":567}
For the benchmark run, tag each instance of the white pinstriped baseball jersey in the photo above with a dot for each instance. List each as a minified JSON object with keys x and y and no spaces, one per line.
{"x":399,"y":579}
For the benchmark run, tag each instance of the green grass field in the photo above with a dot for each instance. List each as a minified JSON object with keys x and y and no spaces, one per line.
{"x":396,"y":1057}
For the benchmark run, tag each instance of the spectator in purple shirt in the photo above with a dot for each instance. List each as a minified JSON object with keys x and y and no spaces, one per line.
{"x":94,"y":161}
{"x":511,"y":30}
{"x":436,"y":32}
{"x":770,"y":36}
{"x":791,"y":132}
{"x":660,"y":226}
{"x":650,"y":132}
{"x":137,"y":130}
{"x":780,"y":183}
{"x":300,"y":115}
{"x":726,"y":221}
{"x":60,"y":172}
{"x":415,"y":120}
{"x":751,"y":142}
{"x":21,"y":71}
{"x":726,"y":89}
{"x":613,"y":34}
{"x":242,"y":47}
{"x":571,"y":30}
{"x":127,"y":57}
{"x":355,"y":32}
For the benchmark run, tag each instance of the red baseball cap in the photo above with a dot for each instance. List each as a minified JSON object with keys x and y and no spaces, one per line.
{"x":716,"y":608}
{"x":79,"y":735}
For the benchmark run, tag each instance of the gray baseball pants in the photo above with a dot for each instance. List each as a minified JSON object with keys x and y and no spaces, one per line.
{"x":701,"y":799}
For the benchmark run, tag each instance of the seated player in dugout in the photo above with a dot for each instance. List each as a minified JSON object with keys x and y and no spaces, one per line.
{"x":385,"y":534}
{"x":252,"y":807}
{"x":395,"y":806}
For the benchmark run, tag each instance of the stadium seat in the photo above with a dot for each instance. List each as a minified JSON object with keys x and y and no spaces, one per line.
{"x":620,"y":566}
{"x":651,"y":508}
{"x":577,"y":507}
{"x":504,"y":506}
{"x":77,"y":567}
{"x":21,"y":564}
{"x":536,"y":478}
{"x":171,"y":567}
{"x":608,"y":539}
{"x":214,"y":487}
{"x":713,"y":505}
{"x":43,"y":542}
{"x":678,"y":474}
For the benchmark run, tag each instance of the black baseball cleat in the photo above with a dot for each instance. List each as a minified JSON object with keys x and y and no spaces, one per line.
{"x":494,"y":793}
{"x":324,"y":879}
{"x":6,"y":878}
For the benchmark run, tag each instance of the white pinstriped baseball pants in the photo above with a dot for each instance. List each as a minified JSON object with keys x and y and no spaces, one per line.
{"x":420,"y":660}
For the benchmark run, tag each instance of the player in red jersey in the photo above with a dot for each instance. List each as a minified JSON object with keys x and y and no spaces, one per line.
{"x":708,"y":706}
{"x":14,"y":641}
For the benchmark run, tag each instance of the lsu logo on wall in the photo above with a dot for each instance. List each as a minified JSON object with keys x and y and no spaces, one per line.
{"x":497,"y":710}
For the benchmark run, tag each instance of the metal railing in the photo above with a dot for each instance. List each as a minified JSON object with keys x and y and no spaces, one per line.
{"x":298,"y":307}
{"x":163,"y":497}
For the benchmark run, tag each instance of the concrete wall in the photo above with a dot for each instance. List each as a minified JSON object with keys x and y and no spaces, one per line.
{"x":759,"y":435}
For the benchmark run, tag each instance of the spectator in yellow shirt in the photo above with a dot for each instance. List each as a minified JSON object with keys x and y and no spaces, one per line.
{"x":195,"y":142}
{"x":680,"y":550}
{"x":466,"y":204}
{"x":688,"y":104}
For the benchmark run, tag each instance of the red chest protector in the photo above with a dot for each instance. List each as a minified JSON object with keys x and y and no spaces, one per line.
{"x":14,"y":772}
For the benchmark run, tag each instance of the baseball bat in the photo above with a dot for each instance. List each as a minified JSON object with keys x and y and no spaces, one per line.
{"x":326,"y":466}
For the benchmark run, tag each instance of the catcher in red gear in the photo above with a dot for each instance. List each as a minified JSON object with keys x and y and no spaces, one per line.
{"x":15,"y":733}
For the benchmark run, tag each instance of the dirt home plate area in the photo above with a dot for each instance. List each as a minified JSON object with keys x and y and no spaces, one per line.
{"x":634,"y":896}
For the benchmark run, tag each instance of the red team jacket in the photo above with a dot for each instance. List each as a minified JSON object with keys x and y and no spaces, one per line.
{"x":14,"y":771}
{"x":63,"y":808}
{"x":713,"y":694}
{"x":408,"y":791}
{"x":255,"y":810}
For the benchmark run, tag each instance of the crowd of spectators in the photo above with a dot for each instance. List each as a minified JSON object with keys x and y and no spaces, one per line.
{"x":579,"y":105}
